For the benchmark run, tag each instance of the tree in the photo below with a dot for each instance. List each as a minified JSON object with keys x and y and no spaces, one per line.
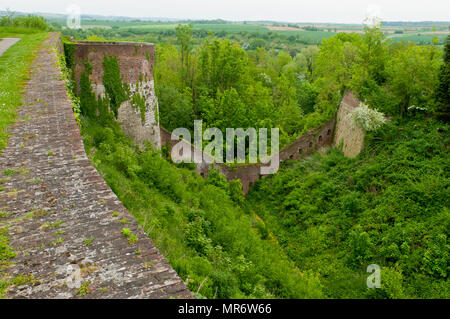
{"x":306,"y":60}
{"x":184,"y":38}
{"x":412,"y":76}
{"x":443,"y":89}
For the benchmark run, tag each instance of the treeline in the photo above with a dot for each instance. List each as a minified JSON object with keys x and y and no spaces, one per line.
{"x":251,"y":39}
{"x":9,"y":19}
{"x":388,"y":206}
{"x":227,"y":86}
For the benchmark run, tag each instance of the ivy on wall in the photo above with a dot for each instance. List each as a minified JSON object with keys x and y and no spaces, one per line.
{"x":114,"y":89}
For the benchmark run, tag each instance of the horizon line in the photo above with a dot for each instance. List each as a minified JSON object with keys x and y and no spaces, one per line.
{"x":169,"y":19}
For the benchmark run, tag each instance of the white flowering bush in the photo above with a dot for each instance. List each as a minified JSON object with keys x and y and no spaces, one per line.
{"x":368,"y":119}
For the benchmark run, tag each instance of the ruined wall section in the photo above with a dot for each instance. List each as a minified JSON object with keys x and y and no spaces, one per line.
{"x":338,"y":132}
{"x":348,"y":136}
{"x":136,"y":63}
{"x":250,"y":173}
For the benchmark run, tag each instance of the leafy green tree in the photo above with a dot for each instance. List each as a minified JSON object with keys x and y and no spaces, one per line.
{"x":306,"y":60}
{"x":184,"y":38}
{"x":175,"y":108}
{"x":443,"y":89}
{"x":413,"y":76}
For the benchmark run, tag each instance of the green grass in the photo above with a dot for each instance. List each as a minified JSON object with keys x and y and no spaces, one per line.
{"x":14,"y":70}
{"x":17,"y":31}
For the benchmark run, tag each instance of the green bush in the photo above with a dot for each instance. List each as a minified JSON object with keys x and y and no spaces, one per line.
{"x":196,"y":223}
{"x":30,"y":21}
{"x":388,"y":207}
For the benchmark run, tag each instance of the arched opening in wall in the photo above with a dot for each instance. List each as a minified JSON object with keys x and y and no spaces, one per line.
{"x":329,"y":132}
{"x":291,"y":157}
{"x":310,"y":144}
{"x":202,"y":174}
{"x":320,"y":138}
{"x":300,"y":150}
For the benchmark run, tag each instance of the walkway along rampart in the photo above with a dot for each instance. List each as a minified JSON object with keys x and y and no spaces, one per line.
{"x":64,"y":222}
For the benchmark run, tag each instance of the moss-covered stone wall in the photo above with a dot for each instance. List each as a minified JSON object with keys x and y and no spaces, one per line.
{"x":121,"y":72}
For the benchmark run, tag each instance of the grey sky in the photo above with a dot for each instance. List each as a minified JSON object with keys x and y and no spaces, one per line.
{"x":342,"y":11}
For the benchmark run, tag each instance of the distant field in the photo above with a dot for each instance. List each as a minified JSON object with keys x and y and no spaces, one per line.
{"x":417,"y":34}
{"x":314,"y":36}
{"x":208,"y":27}
{"x":425,"y":38}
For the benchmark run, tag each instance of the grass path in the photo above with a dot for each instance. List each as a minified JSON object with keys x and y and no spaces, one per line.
{"x":14,"y":71}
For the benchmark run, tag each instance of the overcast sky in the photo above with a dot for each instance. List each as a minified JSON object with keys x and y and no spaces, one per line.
{"x":341,"y":11}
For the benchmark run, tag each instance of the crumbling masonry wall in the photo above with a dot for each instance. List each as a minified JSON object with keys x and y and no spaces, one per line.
{"x":348,"y":136}
{"x":136,"y":63}
{"x":339,"y":132}
{"x":250,"y":173}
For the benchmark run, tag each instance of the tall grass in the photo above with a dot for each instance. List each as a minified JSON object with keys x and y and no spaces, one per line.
{"x":30,"y":21}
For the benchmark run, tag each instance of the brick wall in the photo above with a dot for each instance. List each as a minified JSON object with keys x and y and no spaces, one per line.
{"x":338,"y":132}
{"x":348,"y":136}
{"x":136,"y":63}
{"x":250,"y":173}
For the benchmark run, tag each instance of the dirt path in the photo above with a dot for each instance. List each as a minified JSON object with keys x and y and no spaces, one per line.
{"x":6,"y":43}
{"x":62,"y":214}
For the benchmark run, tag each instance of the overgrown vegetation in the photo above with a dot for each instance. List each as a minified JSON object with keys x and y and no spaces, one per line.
{"x":226,"y":86}
{"x":197,"y":224}
{"x":310,"y":230}
{"x":217,"y":247}
{"x":30,"y":21}
{"x":388,"y":207}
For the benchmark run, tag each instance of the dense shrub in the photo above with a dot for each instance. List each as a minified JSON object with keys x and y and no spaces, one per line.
{"x":199,"y":225}
{"x":389,"y":206}
{"x":366,"y":118}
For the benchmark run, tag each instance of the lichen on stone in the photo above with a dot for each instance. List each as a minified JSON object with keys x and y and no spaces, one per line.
{"x":138,"y":102}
